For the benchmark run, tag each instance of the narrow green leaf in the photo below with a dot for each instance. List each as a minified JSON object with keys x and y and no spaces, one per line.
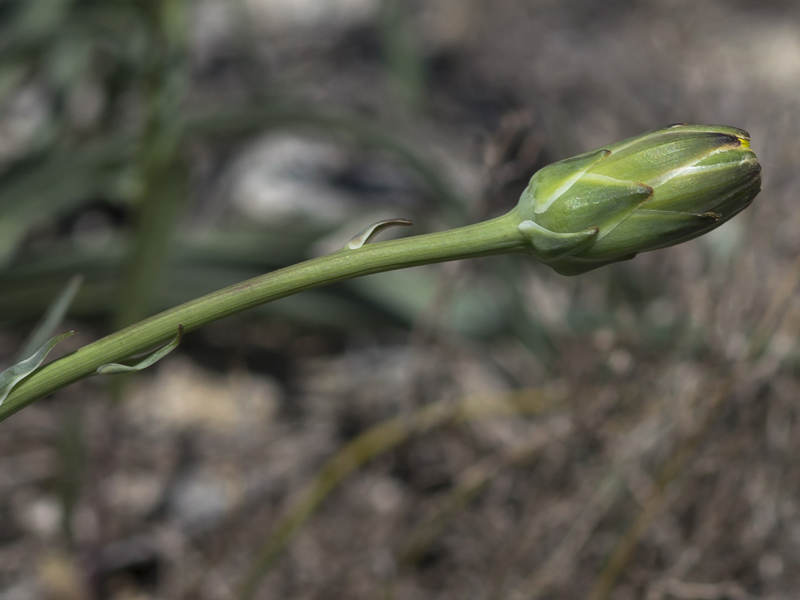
{"x":116,"y":369}
{"x":52,"y":318}
{"x":161,"y":207}
{"x":16,"y":373}
{"x":402,"y":54}
{"x":43,"y":186}
{"x":367,"y":133}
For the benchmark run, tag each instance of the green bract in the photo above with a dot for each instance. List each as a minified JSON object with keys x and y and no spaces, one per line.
{"x":647,"y":192}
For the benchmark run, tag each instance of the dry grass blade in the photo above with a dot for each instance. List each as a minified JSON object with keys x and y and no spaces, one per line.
{"x":469,"y":484}
{"x":367,"y":446}
{"x":670,"y":471}
{"x":683,"y":453}
{"x":780,"y":300}
{"x":557,"y":567}
{"x":674,"y":588}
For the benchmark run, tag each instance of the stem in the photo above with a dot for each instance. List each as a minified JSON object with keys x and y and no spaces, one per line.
{"x":497,"y":236}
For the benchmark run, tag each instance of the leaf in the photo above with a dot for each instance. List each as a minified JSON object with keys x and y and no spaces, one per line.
{"x":43,"y":186}
{"x":294,"y":115}
{"x":52,"y":318}
{"x":365,"y":235}
{"x":16,"y":373}
{"x":160,"y":209}
{"x":402,"y":54}
{"x":115,"y":369}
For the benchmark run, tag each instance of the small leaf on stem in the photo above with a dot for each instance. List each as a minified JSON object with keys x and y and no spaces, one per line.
{"x":16,"y":373}
{"x":115,"y":368}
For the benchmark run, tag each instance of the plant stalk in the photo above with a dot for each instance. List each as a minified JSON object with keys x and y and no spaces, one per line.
{"x":496,"y":236}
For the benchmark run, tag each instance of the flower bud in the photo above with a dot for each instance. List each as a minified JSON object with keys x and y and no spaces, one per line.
{"x":647,"y":192}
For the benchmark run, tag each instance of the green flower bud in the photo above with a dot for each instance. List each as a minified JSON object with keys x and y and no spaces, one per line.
{"x":648,"y":192}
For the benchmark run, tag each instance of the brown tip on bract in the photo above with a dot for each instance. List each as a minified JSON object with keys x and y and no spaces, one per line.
{"x":724,"y":139}
{"x":646,"y":189}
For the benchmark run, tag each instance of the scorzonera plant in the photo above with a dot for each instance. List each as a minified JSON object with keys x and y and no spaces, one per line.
{"x":645,"y":193}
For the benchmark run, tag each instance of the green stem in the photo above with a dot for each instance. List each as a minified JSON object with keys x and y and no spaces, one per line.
{"x":497,"y":236}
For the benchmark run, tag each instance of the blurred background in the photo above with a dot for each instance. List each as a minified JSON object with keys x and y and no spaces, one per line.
{"x":477,"y":430}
